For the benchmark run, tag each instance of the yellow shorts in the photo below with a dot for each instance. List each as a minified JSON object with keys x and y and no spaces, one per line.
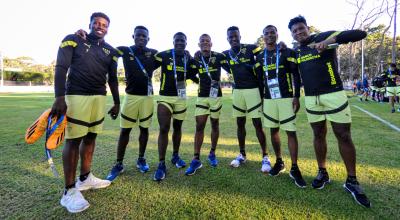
{"x":331,"y":106}
{"x":84,"y":114}
{"x":246,"y":102}
{"x":208,"y":106}
{"x":279,"y":113}
{"x":176,"y":106}
{"x":383,"y":89}
{"x":138,"y":110}
{"x":393,"y":91}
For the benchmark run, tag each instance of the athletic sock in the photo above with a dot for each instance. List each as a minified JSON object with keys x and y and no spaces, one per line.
{"x":243,"y":152}
{"x":84,"y":176}
{"x":196,"y":156}
{"x":68,"y":187}
{"x":351,"y":179}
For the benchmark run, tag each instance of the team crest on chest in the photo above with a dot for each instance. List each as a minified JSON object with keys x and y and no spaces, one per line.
{"x":106,"y":51}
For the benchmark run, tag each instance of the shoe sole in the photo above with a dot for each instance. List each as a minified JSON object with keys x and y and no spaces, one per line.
{"x":158,"y":180}
{"x":238,"y":165}
{"x":109,"y":179}
{"x":213,"y":165}
{"x":191,"y":174}
{"x":74,"y":210}
{"x":323,"y":185}
{"x":93,"y":187}
{"x":300,"y":186}
{"x":354,"y":196}
{"x":281,"y":171}
{"x":140,"y":170}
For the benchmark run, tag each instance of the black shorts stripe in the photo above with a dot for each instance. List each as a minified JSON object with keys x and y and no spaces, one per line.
{"x":159,"y":102}
{"x":255,"y":107}
{"x":147,"y":118}
{"x":128,"y":118}
{"x":390,"y":92}
{"x":270,"y":118}
{"x":179,"y":112}
{"x":217,"y":109}
{"x":288,"y":119}
{"x":239,"y":109}
{"x":333,"y":111}
{"x":84,"y":123}
{"x":202,"y":106}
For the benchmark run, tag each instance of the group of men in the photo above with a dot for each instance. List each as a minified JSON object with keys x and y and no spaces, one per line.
{"x":383,"y":85}
{"x":267,"y":85}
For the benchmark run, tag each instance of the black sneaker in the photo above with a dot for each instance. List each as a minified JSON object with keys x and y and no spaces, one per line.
{"x":295,"y":174}
{"x":357,"y":193}
{"x":321,"y":179}
{"x":278,"y":168}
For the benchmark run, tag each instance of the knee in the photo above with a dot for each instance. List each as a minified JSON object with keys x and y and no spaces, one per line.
{"x":344,"y":137}
{"x":164,"y":129}
{"x":200,"y":127}
{"x":215,"y":126}
{"x":125,"y":131}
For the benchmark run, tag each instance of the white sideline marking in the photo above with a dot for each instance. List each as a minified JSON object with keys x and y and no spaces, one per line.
{"x":394,"y":127}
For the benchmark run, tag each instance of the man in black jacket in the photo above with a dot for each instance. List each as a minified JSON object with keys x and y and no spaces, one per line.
{"x":325,"y":98}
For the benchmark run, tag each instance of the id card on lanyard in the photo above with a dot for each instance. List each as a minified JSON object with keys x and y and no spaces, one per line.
{"x":273,"y":84}
{"x":149,"y":84}
{"x":180,"y":85}
{"x":214,"y":87}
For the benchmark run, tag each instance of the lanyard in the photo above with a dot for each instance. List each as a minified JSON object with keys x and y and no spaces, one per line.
{"x":138,"y":62}
{"x":206,"y":65}
{"x":236,"y":57}
{"x":266,"y":63}
{"x":184,"y":66}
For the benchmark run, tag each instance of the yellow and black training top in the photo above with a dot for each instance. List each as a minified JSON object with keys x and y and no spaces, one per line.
{"x":134,"y":59}
{"x":319,"y":71}
{"x":90,"y":64}
{"x":213,"y":65}
{"x":241,"y":64}
{"x":168,"y":82}
{"x":390,"y":77}
{"x":288,"y":74}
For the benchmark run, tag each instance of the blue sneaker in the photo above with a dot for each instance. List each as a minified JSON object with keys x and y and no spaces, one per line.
{"x":160,"y":172}
{"x":115,"y":171}
{"x":142,"y":165}
{"x":178,"y":162}
{"x":194,"y":165}
{"x":212,"y":159}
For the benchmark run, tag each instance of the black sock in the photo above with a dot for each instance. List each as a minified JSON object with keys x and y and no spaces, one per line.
{"x":243,"y":152}
{"x":264,"y":154}
{"x":196,"y":156}
{"x":162,"y":160}
{"x":351,"y":179}
{"x":212,"y":150}
{"x":68,"y":187}
{"x":119,"y":161}
{"x":84,"y":176}
{"x":279,"y":160}
{"x":141,"y":155}
{"x":294,"y":166}
{"x":175,"y":153}
{"x":322,"y":169}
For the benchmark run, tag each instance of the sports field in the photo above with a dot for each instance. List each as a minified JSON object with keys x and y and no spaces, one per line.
{"x":28,"y":189}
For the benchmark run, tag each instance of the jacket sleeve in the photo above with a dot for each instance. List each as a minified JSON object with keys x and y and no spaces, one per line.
{"x":64,"y":60}
{"x":113,"y":78}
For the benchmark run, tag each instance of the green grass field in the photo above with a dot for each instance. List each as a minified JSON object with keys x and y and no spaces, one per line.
{"x":28,"y":189}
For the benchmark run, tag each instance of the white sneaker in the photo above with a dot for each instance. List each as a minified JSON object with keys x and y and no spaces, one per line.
{"x":91,"y":182}
{"x":238,"y":160}
{"x":265,"y":165}
{"x":73,"y":201}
